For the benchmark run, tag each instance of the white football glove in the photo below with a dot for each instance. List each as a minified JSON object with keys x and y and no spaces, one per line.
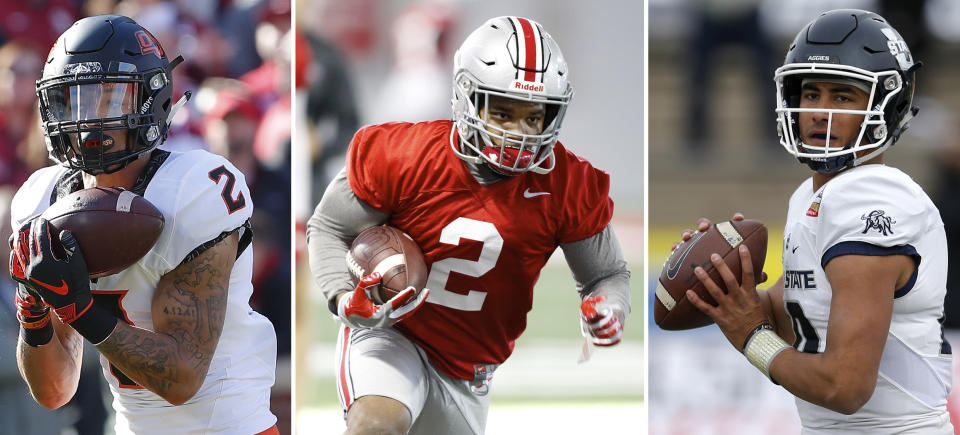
{"x":357,"y":310}
{"x":601,"y":323}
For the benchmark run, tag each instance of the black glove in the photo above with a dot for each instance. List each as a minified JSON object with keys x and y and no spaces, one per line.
{"x":63,"y":282}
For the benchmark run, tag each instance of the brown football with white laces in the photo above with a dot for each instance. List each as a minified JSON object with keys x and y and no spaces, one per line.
{"x":115,"y":228}
{"x":394,"y":254}
{"x":672,"y":310}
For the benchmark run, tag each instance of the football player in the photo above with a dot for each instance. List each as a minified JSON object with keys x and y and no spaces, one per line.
{"x":180,"y":347}
{"x":852,"y":327}
{"x":488,"y":197}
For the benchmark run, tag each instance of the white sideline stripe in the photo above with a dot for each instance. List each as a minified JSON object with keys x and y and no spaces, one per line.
{"x":125,"y":200}
{"x":389,"y":263}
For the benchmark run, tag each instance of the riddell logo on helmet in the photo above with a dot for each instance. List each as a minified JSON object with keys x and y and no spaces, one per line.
{"x":519,"y":85}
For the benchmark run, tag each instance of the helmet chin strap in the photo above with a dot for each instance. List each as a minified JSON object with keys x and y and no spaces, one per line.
{"x":830,"y":165}
{"x":539,"y":169}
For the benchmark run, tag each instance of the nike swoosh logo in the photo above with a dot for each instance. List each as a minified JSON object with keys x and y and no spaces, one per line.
{"x":794,"y":250}
{"x":528,"y":194}
{"x":673,"y":267}
{"x":60,"y":290}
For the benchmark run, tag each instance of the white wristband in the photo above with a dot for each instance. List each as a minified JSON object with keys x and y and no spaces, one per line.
{"x":762,"y":347}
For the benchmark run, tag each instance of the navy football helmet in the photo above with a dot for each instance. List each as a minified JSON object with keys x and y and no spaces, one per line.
{"x":856,"y":47}
{"x":106,"y":94}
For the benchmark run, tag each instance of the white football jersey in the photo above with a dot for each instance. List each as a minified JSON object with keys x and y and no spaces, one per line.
{"x":873,"y":210}
{"x":201,"y":195}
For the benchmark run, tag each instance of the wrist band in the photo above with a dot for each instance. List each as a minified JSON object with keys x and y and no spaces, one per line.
{"x":39,"y":336}
{"x":762,"y":346}
{"x":95,"y":324}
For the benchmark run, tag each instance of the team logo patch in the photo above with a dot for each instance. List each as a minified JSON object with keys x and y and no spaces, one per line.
{"x":814,"y":209}
{"x":878,"y":220}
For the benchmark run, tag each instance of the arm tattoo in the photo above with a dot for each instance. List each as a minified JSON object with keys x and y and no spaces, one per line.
{"x":188,"y":307}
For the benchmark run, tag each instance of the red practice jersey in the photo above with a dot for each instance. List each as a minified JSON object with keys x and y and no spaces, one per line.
{"x":484,"y":245}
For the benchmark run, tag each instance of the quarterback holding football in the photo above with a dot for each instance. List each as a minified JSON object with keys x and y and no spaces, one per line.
{"x":857,"y":338}
{"x":180,"y":347}
{"x":488,"y":197}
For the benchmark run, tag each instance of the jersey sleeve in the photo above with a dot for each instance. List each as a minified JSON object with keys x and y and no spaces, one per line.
{"x":209,"y":199}
{"x":869,"y":214}
{"x":587,"y":205}
{"x":369,"y":169}
{"x":33,"y":197}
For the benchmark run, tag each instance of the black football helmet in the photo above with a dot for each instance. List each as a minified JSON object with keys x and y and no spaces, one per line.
{"x":855,"y":47}
{"x":106,"y":94}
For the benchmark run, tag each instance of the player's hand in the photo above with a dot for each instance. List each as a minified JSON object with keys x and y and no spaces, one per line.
{"x":61,"y":281}
{"x":601,"y":323}
{"x":357,"y":310}
{"x":703,"y":224}
{"x":738,"y":312}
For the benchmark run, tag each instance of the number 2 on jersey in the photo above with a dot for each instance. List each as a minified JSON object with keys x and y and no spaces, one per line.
{"x":464,"y":228}
{"x":233,"y":204}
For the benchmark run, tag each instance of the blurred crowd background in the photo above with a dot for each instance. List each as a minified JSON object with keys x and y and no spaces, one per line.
{"x":713,"y":150}
{"x":237,"y":63}
{"x":371,"y":61}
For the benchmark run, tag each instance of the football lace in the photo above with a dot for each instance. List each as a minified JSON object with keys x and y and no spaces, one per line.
{"x":355,"y":268}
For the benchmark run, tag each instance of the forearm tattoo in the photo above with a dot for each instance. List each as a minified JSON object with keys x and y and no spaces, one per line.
{"x":188,"y":312}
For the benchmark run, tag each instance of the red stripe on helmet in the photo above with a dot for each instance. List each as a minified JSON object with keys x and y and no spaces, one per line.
{"x":530,"y":44}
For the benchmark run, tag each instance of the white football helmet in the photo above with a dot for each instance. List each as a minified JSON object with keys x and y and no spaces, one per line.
{"x":515,"y":58}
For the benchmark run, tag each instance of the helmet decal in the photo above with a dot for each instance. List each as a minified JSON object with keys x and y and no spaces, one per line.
{"x":898,"y":48}
{"x":529,"y":49}
{"x":148,"y":44}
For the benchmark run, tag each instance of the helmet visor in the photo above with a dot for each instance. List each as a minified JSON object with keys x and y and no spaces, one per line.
{"x":89,"y":101}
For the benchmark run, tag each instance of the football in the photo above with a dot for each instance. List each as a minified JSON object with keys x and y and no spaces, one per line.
{"x":115,"y":228}
{"x":391,"y":252}
{"x":672,"y":310}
